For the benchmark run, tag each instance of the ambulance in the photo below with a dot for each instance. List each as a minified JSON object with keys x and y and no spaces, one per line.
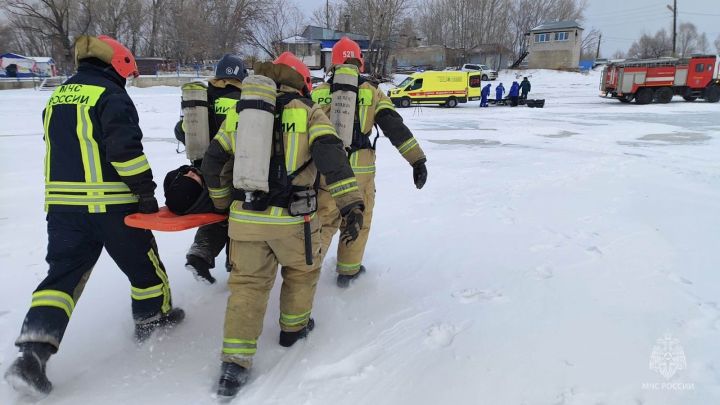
{"x":446,"y":88}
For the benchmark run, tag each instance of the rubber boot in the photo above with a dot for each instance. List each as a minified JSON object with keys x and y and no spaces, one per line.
{"x":27,"y":373}
{"x":199,"y":268}
{"x":232,"y":378}
{"x":143,"y":330}
{"x":288,"y":339}
{"x":344,"y":280}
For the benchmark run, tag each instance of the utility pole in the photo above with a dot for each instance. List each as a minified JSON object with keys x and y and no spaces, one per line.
{"x":327,"y":14}
{"x":673,"y":8}
{"x":597,"y":54}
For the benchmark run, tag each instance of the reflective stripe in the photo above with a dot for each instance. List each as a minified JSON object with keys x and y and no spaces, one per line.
{"x":89,"y":151}
{"x":384,"y":105}
{"x":407,"y":145}
{"x":291,"y":152}
{"x":348,"y":267}
{"x":365,"y":97}
{"x":99,"y":201}
{"x":48,"y":147}
{"x":146,"y":293}
{"x":194,"y":86}
{"x":294,"y":120}
{"x":343,"y":187}
{"x":239,"y":346}
{"x":165,"y":284}
{"x":231,"y":120}
{"x":276,"y":216}
{"x":266,"y":93}
{"x":219,"y":192}
{"x":132,"y":167}
{"x":53,"y":298}
{"x":319,"y":130}
{"x":226,"y":141}
{"x":72,"y":186}
{"x":294,"y":320}
{"x":224,"y":105}
{"x":321,"y":95}
{"x":347,"y":71}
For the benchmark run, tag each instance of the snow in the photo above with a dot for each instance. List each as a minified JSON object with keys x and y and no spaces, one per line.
{"x":548,"y":252}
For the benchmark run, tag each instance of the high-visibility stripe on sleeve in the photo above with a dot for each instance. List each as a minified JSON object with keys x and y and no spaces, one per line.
{"x":384,"y":105}
{"x":146,"y":293}
{"x":319,"y":130}
{"x":407,"y":145}
{"x":294,"y":320}
{"x":132,"y":167}
{"x":239,"y":346}
{"x":225,"y":141}
{"x":53,"y":298}
{"x":343,"y":187}
{"x":219,"y":192}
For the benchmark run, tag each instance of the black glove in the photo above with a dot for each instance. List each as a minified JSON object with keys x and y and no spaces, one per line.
{"x":419,"y":174}
{"x":353,"y":224}
{"x":147,"y":204}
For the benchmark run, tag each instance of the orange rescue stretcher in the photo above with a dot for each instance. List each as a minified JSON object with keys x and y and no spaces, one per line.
{"x":166,"y":221}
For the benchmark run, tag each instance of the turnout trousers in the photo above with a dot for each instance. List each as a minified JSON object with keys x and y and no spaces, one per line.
{"x":75,"y":241}
{"x":349,"y":258}
{"x":254,"y":269}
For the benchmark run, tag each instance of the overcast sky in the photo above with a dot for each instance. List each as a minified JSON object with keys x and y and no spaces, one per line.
{"x":623,"y":21}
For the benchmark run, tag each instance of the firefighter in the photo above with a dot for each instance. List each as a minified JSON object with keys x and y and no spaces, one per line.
{"x":264,"y":230}
{"x":95,"y":174}
{"x":499,"y":92}
{"x":373,"y":107}
{"x":525,"y":88}
{"x":484,"y":94}
{"x":223,"y":92}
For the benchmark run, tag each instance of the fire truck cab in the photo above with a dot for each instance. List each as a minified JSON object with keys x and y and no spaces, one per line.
{"x":660,"y":79}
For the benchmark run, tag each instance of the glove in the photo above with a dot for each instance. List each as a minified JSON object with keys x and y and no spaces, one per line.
{"x":147,"y":204}
{"x":419,"y":174}
{"x":353,"y":224}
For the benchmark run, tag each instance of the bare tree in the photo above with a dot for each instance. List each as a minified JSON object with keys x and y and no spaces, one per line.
{"x":334,"y":14}
{"x":687,"y":39}
{"x":589,"y":44}
{"x":651,"y":46}
{"x":717,"y":44}
{"x":283,"y":19}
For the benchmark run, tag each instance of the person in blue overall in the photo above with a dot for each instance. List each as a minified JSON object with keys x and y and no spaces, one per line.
{"x":499,"y":92}
{"x":514,"y":94}
{"x":484,"y":94}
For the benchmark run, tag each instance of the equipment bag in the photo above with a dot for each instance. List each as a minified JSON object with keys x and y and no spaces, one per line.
{"x":195,"y":122}
{"x":344,"y":100}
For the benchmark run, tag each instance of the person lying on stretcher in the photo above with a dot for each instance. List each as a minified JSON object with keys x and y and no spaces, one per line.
{"x":186,"y":192}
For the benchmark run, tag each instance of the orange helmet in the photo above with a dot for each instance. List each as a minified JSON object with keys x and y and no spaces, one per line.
{"x":345,"y":49}
{"x":292,"y":61}
{"x":123,"y":60}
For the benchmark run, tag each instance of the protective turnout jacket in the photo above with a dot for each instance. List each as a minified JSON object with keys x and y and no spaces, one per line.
{"x":94,"y":159}
{"x":311,"y":145}
{"x":373,"y":107}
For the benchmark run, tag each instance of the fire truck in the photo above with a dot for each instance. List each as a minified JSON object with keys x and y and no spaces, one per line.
{"x":658,"y":80}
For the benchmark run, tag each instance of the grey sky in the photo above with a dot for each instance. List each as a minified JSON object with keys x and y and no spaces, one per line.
{"x":623,"y":21}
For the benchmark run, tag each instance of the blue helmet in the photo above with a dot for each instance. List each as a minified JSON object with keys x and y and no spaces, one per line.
{"x":230,"y":67}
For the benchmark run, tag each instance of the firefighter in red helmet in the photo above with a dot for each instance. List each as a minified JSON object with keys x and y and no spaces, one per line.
{"x":95,"y":174}
{"x":370,"y":107}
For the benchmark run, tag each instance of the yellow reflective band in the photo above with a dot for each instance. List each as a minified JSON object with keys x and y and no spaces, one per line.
{"x":48,"y":148}
{"x":194,"y":86}
{"x":294,"y":120}
{"x":77,"y":94}
{"x":163,"y":277}
{"x":76,"y":187}
{"x":239,"y":346}
{"x":319,"y":130}
{"x":363,"y":169}
{"x":385,"y":105}
{"x":146,"y":293}
{"x":348,"y":267}
{"x":224,"y":105}
{"x":266,"y":93}
{"x":321,"y":95}
{"x":89,"y":200}
{"x":294,"y":320}
{"x":345,"y":70}
{"x":219,"y":192}
{"x":276,"y":216}
{"x":132,"y":167}
{"x":291,"y":152}
{"x":407,"y":145}
{"x":365,"y":97}
{"x":53,"y":298}
{"x":343,"y":187}
{"x":225,"y":141}
{"x":89,"y":151}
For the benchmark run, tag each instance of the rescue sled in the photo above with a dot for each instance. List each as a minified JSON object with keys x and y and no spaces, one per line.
{"x":166,"y":221}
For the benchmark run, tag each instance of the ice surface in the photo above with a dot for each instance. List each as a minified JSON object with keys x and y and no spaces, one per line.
{"x":548,"y":251}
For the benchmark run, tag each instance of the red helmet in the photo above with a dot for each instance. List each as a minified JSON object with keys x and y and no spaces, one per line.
{"x":345,"y":49}
{"x":123,"y":60}
{"x":290,"y":60}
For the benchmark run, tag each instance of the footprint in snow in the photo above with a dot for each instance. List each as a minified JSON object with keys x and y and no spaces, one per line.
{"x":679,"y":279}
{"x":441,"y":335}
{"x":543,"y":272}
{"x":469,"y":295}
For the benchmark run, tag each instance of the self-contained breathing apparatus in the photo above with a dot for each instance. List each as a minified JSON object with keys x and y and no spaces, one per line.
{"x":195,"y":120}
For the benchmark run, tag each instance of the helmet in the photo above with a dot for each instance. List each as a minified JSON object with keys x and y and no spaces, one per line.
{"x":122,"y":59}
{"x":291,"y":61}
{"x":346,"y":49}
{"x":230,"y":67}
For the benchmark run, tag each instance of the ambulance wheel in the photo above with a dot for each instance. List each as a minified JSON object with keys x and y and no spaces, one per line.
{"x":663,"y":95}
{"x":712,"y":94}
{"x":451,"y":103}
{"x":404,"y":102}
{"x":644,"y":96}
{"x":484,"y":78}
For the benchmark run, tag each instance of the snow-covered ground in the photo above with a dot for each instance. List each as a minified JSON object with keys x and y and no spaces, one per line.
{"x":549,"y":251}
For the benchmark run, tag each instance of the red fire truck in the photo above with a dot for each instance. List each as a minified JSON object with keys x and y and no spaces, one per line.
{"x":658,"y":80}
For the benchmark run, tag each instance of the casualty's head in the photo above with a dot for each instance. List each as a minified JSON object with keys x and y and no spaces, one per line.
{"x":346,"y":51}
{"x":108,"y":51}
{"x":183,"y":186}
{"x":230,"y":67}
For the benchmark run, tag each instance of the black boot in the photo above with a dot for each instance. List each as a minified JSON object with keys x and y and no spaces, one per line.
{"x":199,"y":268}
{"x":288,"y":339}
{"x":27,"y":374}
{"x":343,"y":280}
{"x":232,"y":378}
{"x":143,"y":330}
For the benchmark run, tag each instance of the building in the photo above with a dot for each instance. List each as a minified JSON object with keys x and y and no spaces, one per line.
{"x":314,"y":45}
{"x":430,"y":57}
{"x":555,"y":45}
{"x":495,"y":56}
{"x":14,"y":65}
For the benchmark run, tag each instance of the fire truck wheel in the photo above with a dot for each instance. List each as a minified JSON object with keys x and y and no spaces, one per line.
{"x":690,"y":98}
{"x":663,"y":95}
{"x":644,"y":96}
{"x":712,"y":94}
{"x":624,"y":99}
